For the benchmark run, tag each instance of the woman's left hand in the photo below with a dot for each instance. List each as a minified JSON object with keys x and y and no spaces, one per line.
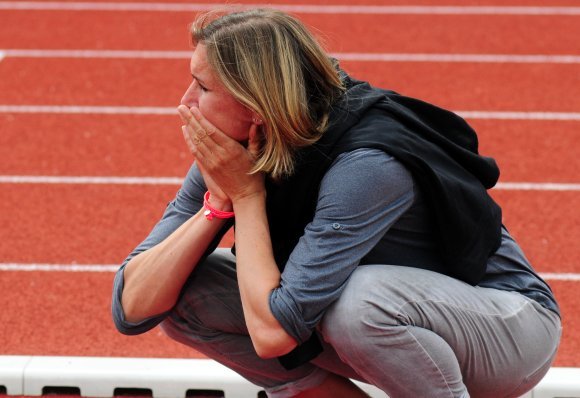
{"x":224,"y":160}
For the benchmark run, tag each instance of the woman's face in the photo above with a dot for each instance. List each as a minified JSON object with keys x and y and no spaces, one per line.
{"x":215,"y":103}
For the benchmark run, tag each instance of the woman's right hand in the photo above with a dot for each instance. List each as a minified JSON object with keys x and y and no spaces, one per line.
{"x":219,"y":199}
{"x":222,"y":158}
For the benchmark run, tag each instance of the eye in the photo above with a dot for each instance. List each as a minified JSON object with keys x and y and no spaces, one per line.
{"x":201,"y":86}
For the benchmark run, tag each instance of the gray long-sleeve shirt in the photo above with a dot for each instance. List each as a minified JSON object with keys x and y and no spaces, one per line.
{"x":369,"y":210}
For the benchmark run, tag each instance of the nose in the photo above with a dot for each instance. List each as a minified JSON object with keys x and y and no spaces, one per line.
{"x":190,"y":97}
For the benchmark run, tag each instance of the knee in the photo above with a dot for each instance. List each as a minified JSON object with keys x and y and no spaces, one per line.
{"x":210,"y":302}
{"x":360,"y":312}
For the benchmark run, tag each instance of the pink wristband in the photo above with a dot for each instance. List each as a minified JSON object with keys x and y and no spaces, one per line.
{"x":210,"y":212}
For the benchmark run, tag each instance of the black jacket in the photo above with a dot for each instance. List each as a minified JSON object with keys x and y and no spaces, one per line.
{"x":440,"y":150}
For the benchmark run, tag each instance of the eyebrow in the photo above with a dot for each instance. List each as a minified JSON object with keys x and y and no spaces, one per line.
{"x":198,"y":79}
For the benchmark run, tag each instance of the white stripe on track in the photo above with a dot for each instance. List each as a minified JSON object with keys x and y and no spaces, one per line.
{"x":59,"y":267}
{"x":507,"y":115}
{"x":553,"y":276}
{"x":96,"y":110}
{"x":115,"y":180}
{"x":362,"y":57}
{"x":156,"y":110}
{"x":298,"y":8}
{"x":540,"y":186}
{"x":6,"y":179}
{"x":470,"y":58}
{"x":135,"y":54}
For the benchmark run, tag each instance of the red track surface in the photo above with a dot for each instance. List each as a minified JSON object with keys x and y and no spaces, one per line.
{"x":346,"y":33}
{"x":100,"y":224}
{"x":459,"y":86}
{"x":66,"y":313}
{"x":152,"y":146}
{"x":351,"y":2}
{"x":117,"y":145}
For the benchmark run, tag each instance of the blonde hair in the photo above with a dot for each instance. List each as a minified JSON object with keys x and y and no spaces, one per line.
{"x":273,"y":65}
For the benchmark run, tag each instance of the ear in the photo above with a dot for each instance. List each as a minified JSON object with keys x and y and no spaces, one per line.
{"x":256,"y":119}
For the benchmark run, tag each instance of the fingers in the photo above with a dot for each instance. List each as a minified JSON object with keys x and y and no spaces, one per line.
{"x":211,"y":131}
{"x":188,"y":119}
{"x":189,"y":122}
{"x":183,"y":113}
{"x":206,"y":140}
{"x":188,"y":140}
{"x":198,"y":127}
{"x":196,"y":144}
{"x":254,"y":141}
{"x":193,"y":133}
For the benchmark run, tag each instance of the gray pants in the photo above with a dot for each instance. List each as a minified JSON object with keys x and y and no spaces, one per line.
{"x":410,"y":332}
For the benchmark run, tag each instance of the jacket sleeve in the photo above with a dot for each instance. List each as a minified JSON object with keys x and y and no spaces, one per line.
{"x":187,"y":202}
{"x":361,"y":196}
{"x":122,"y":325}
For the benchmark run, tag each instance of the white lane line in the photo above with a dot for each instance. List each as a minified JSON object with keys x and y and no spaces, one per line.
{"x":156,"y":110}
{"x":59,"y":267}
{"x":554,"y":276}
{"x":135,"y":54}
{"x":531,"y":186}
{"x":96,"y":110}
{"x":116,"y":180}
{"x":470,"y":58}
{"x":362,"y":57}
{"x":298,"y":8}
{"x":508,"y":115}
{"x":2,"y":55}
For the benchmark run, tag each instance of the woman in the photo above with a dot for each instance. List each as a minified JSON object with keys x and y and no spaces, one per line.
{"x":366,"y":245}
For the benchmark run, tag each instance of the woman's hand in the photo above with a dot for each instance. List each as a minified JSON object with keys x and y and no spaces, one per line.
{"x":224,"y":163}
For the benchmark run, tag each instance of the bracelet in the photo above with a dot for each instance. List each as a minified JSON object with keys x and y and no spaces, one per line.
{"x":210,"y":212}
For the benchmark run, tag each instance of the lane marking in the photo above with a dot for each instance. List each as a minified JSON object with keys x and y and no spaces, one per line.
{"x":158,"y":110}
{"x":27,"y":179}
{"x":32,"y":267}
{"x":508,"y":115}
{"x":2,"y":55}
{"x":554,"y":276}
{"x":298,"y":8}
{"x":531,"y":186}
{"x":471,"y":58}
{"x":96,"y":110}
{"x":59,"y":267}
{"x":117,"y":180}
{"x":362,"y":57}
{"x":135,"y":54}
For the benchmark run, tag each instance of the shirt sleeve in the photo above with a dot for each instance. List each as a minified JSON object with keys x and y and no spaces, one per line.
{"x":361,"y":196}
{"x":187,"y":202}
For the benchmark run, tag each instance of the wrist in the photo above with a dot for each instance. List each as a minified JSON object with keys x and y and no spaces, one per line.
{"x":216,"y":208}
{"x":218,"y":203}
{"x":257,"y":198}
{"x":221,"y":205}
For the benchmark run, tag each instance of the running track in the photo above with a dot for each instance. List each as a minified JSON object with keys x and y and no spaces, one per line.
{"x":90,"y":150}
